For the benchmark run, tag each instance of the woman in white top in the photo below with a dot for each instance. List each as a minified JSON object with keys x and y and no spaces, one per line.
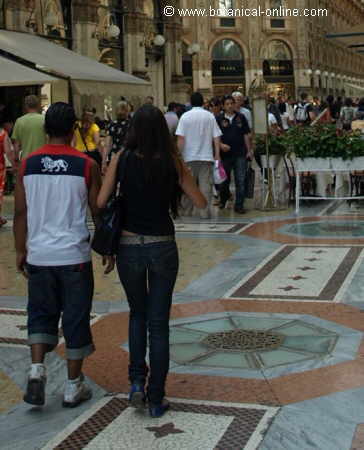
{"x":283,"y":110}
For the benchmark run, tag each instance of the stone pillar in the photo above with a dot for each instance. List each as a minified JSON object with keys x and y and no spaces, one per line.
{"x":85,"y":19}
{"x":302,"y":62}
{"x":22,"y":15}
{"x":176,"y":88}
{"x":134,"y":50}
{"x":254,"y":61}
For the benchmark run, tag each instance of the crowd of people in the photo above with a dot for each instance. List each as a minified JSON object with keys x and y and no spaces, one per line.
{"x":169,"y":160}
{"x":101,"y":138}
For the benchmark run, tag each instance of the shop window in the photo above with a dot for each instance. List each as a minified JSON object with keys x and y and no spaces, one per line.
{"x":186,"y":63}
{"x":278,"y":60}
{"x":224,"y":7}
{"x":227,"y":62}
{"x":276,"y":7}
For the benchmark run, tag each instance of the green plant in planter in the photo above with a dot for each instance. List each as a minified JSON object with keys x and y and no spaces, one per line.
{"x":276,"y":145}
{"x":322,"y":141}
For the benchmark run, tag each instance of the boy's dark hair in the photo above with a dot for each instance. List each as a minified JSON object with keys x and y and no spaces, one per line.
{"x":215,"y":101}
{"x":196,"y":99}
{"x":60,"y":120}
{"x":172,"y":106}
{"x":304,"y":96}
{"x":229,"y":97}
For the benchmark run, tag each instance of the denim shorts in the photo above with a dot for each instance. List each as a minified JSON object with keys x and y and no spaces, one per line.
{"x":61,"y":290}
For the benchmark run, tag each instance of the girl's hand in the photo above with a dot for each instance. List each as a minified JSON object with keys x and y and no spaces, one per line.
{"x":109,"y":262}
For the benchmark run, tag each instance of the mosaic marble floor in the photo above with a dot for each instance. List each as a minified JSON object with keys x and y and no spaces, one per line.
{"x":266,"y":343}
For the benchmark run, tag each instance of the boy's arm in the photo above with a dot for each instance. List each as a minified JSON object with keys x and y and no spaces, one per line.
{"x":20,"y":225}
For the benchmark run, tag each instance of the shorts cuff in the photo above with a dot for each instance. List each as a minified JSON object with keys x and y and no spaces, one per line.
{"x":43,"y":338}
{"x":79,"y":353}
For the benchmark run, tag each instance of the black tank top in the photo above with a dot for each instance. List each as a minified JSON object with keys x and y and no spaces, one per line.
{"x":145,"y":205}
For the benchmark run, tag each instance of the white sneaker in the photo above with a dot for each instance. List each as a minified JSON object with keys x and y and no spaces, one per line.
{"x":37,"y":379}
{"x":76,"y":393}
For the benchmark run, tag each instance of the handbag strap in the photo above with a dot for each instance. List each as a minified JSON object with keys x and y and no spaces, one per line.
{"x":82,"y":137}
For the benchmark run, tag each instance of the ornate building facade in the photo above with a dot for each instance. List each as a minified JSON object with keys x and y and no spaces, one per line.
{"x":292,"y":53}
{"x":130,"y":35}
{"x":215,"y":54}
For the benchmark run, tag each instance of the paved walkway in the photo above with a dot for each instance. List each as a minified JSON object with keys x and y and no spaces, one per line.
{"x":266,"y":344}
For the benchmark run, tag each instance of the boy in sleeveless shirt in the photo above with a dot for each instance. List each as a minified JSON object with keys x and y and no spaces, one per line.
{"x":56,"y":184}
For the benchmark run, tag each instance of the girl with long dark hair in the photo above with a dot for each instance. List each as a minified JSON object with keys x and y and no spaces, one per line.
{"x":147,"y":261}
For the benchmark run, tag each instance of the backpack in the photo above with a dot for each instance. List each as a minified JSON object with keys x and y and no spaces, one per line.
{"x":301,"y":113}
{"x":347,"y":115}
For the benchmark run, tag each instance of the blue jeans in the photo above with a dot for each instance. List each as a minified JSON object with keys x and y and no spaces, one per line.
{"x":239,"y":165}
{"x":62,"y":289}
{"x":148,"y":274}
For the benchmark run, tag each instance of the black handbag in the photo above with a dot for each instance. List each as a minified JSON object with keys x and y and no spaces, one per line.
{"x":107,"y":234}
{"x":249,"y":182}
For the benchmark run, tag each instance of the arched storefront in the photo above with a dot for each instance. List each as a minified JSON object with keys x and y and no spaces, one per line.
{"x":278,"y":69}
{"x":228,"y":71}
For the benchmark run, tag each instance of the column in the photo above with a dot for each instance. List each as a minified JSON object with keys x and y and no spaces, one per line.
{"x":176,"y":88}
{"x":134,"y":49}
{"x":85,"y":19}
{"x":201,"y":63}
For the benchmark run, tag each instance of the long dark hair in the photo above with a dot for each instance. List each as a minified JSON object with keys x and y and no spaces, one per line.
{"x":150,"y":138}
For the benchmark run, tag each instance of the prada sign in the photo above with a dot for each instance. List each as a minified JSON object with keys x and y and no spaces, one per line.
{"x":227,"y":68}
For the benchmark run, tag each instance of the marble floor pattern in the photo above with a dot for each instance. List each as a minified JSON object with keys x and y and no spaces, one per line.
{"x":267,"y":347}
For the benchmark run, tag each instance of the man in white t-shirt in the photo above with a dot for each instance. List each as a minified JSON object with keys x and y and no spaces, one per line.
{"x":198,"y":139}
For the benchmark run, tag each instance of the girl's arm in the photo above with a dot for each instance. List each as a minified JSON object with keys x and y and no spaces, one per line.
{"x":108,"y":185}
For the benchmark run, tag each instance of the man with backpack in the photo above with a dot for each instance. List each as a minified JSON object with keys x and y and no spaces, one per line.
{"x":303,"y":112}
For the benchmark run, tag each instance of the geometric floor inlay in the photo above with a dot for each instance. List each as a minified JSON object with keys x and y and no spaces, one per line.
{"x":234,"y":345}
{"x":243,"y":340}
{"x":325,"y":229}
{"x":235,"y":228}
{"x":257,"y":345}
{"x":112,"y":424}
{"x":301,"y":273}
{"x":13,"y":327}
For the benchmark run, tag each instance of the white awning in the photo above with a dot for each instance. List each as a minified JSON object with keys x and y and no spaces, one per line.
{"x":88,"y":76}
{"x":14,"y":74}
